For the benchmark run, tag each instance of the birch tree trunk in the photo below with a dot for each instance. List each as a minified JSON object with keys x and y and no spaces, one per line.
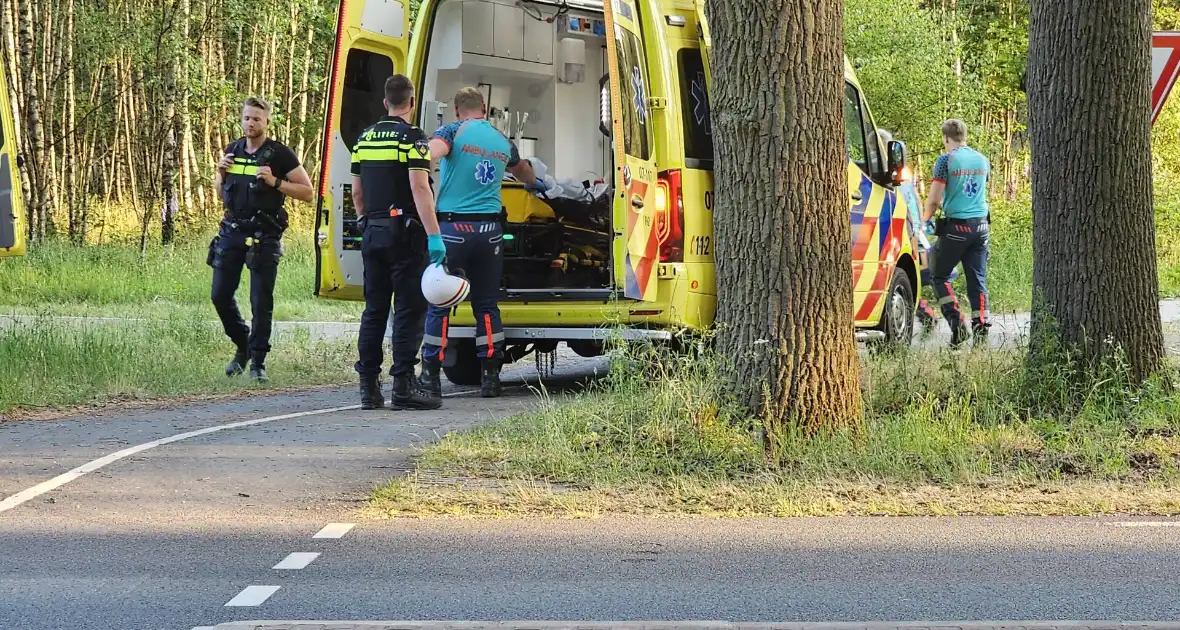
{"x":39,"y":171}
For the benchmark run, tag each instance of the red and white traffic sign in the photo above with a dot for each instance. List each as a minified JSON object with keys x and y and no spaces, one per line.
{"x":1165,"y":67}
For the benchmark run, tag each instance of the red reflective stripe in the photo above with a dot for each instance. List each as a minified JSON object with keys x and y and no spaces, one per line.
{"x":450,"y":301}
{"x":442,"y":350}
{"x":982,"y":309}
{"x":487,"y":324}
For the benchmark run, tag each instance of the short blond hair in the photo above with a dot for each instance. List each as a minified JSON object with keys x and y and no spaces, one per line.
{"x":469,"y":99}
{"x":954,"y":130}
{"x":259,"y":102}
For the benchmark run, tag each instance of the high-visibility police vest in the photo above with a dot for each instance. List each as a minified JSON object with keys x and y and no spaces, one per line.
{"x":243,"y":193}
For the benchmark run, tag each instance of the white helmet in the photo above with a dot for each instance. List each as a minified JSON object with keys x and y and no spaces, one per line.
{"x":443,"y":289}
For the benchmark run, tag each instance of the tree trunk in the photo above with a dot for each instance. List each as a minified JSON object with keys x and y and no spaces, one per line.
{"x":170,"y":162}
{"x":784,"y":276}
{"x":1094,"y":254}
{"x":187,"y":163}
{"x":39,"y":171}
{"x":303,"y":94}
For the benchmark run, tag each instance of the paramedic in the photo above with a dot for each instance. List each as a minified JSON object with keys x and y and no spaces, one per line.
{"x":252,"y":179}
{"x":960,"y":184}
{"x":473,"y":156}
{"x":399,"y":236}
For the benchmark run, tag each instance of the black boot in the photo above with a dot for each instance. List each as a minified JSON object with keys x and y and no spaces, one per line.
{"x":490,"y":387}
{"x":979,"y":332}
{"x":257,"y":367}
{"x":431,"y":381}
{"x":406,"y":394}
{"x":238,"y":364}
{"x":958,"y":333}
{"x":371,"y":396}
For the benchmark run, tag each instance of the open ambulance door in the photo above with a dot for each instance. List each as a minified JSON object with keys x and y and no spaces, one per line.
{"x":706,"y":43}
{"x":12,"y":210}
{"x":372,"y":43}
{"x":636,"y":255}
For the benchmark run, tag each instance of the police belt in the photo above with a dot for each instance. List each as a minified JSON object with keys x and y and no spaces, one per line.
{"x":455,"y":217}
{"x":385,"y":220}
{"x":254,"y":217}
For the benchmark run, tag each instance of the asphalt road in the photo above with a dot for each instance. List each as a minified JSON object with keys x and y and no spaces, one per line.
{"x":167,"y":537}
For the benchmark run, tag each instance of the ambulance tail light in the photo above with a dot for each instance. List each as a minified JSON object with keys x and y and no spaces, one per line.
{"x":330,"y":111}
{"x":670,"y":216}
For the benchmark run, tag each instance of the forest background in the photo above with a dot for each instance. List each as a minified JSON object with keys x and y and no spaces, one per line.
{"x":122,"y":108}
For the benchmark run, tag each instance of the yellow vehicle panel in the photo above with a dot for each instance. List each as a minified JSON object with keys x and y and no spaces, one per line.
{"x":12,"y":208}
{"x":664,"y":198}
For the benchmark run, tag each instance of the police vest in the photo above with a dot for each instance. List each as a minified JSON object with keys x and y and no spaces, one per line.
{"x":243,"y":193}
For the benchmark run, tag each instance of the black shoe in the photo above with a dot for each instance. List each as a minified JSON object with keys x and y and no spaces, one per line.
{"x":407,"y":395}
{"x":979,"y":331}
{"x":238,"y":364}
{"x":490,"y":386}
{"x":431,"y":381}
{"x":958,"y":334}
{"x":371,"y":396}
{"x":257,"y":367}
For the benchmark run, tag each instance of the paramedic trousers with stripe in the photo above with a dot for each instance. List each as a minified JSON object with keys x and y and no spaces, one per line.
{"x":967,"y":241}
{"x":475,"y":250}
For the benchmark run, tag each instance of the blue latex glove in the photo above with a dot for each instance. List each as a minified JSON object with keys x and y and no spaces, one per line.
{"x":538,"y":186}
{"x":436,"y":247}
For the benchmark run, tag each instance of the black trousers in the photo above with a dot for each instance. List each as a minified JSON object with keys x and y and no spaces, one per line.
{"x":395,"y":255}
{"x":228,"y":255}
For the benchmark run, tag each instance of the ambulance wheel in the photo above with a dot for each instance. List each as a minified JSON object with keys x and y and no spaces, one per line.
{"x":897,"y":318}
{"x":466,"y":370}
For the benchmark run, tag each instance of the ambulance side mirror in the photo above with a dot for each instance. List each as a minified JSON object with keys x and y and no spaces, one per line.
{"x":898,"y":162}
{"x":604,"y":109}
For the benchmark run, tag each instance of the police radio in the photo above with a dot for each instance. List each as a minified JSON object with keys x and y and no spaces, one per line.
{"x":264,"y":157}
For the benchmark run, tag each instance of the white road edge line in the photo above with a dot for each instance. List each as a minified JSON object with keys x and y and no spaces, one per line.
{"x":253,"y":596}
{"x":334,"y":530}
{"x":1146,"y":524}
{"x":45,"y":486}
{"x":296,"y":561}
{"x":205,"y":628}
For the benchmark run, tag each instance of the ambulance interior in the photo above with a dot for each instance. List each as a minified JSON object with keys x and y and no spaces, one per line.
{"x":539,"y":66}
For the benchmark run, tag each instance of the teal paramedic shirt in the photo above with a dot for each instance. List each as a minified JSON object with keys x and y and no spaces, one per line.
{"x":965,"y":172}
{"x":472,"y":172}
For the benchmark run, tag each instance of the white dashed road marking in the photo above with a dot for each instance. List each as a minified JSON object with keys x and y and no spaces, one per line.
{"x":296,"y":561}
{"x":252,"y":596}
{"x":334,"y":530}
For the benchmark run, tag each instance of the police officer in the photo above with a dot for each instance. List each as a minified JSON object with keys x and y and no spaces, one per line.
{"x":960,"y":186}
{"x":392,"y":194}
{"x":473,"y":155}
{"x":254,"y":176}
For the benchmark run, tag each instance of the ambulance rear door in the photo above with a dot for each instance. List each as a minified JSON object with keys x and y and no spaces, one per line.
{"x":12,"y":209}
{"x":637,"y":253}
{"x":372,"y":42}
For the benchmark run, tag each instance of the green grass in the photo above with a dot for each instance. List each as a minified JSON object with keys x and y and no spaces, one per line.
{"x":45,"y":365}
{"x":1011,"y":261}
{"x":114,"y":281}
{"x":944,"y":433}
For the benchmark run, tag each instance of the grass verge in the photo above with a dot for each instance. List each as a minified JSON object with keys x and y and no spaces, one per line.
{"x":45,"y":365}
{"x":116,"y":281}
{"x":945,"y":433}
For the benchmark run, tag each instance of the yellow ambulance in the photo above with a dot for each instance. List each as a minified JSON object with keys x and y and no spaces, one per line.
{"x":12,"y":210}
{"x":610,"y":99}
